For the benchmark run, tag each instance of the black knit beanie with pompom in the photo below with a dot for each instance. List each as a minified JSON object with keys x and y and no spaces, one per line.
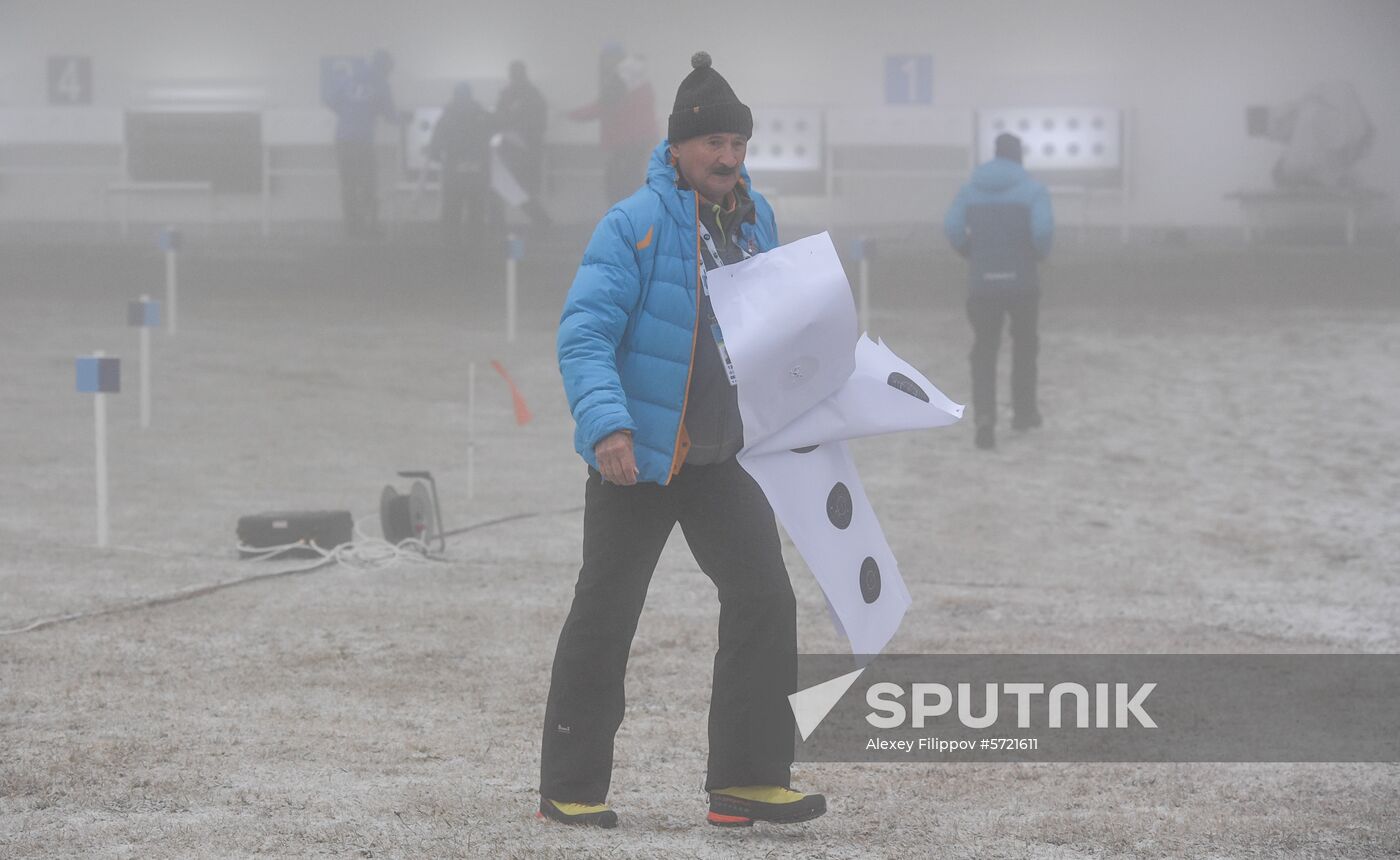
{"x":705,"y":104}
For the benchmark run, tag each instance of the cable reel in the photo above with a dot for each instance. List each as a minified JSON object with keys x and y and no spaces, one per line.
{"x":412,"y":515}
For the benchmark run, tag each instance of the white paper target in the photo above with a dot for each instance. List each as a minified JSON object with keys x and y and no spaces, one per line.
{"x":1056,"y":138}
{"x":785,"y":139}
{"x":806,"y":385}
{"x":416,"y":137}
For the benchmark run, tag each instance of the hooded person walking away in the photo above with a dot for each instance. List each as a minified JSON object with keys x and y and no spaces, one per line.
{"x":1001,"y":221}
{"x":657,"y":420}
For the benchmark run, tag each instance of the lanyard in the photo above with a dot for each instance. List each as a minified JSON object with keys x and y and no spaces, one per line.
{"x":705,"y":282}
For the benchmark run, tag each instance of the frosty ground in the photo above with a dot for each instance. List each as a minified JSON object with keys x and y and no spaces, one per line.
{"x":1219,"y":472}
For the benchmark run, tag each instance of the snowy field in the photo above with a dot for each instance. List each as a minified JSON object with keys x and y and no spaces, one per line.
{"x":1219,"y":472}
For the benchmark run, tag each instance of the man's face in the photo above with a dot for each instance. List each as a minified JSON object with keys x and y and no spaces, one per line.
{"x":711,"y":162}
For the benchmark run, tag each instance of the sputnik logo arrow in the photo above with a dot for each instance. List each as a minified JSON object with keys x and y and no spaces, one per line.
{"x":810,"y":706}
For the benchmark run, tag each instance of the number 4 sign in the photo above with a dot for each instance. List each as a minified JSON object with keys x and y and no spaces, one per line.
{"x":70,"y":80}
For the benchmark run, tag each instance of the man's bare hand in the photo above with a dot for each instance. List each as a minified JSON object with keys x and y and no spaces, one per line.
{"x":615,"y":459}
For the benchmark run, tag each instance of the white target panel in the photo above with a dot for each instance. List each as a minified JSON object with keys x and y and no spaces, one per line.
{"x":1059,"y":139}
{"x":416,"y":136}
{"x":785,"y":139}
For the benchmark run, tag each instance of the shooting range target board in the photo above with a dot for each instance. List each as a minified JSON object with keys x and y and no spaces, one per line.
{"x":1056,"y":139}
{"x":785,"y":139}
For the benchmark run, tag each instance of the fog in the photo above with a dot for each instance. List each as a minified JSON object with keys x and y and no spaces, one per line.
{"x":1182,"y":74}
{"x":369,"y":269}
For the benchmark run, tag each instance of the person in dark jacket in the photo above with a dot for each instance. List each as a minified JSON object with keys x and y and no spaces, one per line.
{"x":521,"y":114}
{"x":359,"y":102}
{"x":1001,"y":221}
{"x":461,"y":143}
{"x":657,"y":420}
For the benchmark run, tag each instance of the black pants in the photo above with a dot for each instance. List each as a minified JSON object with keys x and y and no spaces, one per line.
{"x":987,"y":309}
{"x":730,"y":529}
{"x":359,"y":192}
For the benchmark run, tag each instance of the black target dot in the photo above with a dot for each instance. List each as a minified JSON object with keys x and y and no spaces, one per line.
{"x":869,"y":580}
{"x":908,"y":386}
{"x":838,"y":506}
{"x":809,"y":449}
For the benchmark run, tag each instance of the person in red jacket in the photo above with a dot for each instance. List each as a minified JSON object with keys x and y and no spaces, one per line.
{"x":626,"y":115}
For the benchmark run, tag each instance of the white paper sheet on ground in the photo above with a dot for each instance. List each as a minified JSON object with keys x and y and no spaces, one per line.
{"x":503,"y":182}
{"x":806,"y":383}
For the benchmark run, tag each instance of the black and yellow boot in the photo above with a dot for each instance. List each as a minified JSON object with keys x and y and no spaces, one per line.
{"x":583,"y":814}
{"x":742,"y":805}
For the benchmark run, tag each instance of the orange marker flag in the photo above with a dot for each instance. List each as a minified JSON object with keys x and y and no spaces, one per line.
{"x":522,"y":412}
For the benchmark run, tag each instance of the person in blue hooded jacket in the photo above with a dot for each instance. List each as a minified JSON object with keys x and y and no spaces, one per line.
{"x":359,"y":101}
{"x":1001,"y":221}
{"x":657,"y":420}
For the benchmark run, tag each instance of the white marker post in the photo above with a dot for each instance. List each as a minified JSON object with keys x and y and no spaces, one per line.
{"x":99,"y":375}
{"x":515,"y":250}
{"x":170,"y":244}
{"x":471,"y":430}
{"x":99,"y":401}
{"x":864,"y":248}
{"x":144,"y":314}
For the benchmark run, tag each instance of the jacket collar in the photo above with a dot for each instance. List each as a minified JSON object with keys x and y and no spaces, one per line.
{"x":663,"y":178}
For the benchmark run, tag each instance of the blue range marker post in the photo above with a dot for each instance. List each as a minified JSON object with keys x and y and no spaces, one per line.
{"x":169,"y":241}
{"x":100,"y":375}
{"x":515,"y":251}
{"x":144,"y":314}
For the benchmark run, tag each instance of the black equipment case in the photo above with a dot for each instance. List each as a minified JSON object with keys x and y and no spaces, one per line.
{"x":258,"y":533}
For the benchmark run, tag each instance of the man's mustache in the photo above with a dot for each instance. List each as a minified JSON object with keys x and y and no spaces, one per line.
{"x":724,"y":171}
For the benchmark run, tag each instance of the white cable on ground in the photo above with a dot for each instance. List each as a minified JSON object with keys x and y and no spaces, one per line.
{"x":366,"y":553}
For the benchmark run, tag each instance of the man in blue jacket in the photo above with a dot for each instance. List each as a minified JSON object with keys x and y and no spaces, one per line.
{"x":654,"y":401}
{"x":359,"y":102}
{"x":1002,"y":222}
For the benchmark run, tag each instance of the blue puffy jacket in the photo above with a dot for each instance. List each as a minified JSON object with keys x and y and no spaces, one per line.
{"x":1002,"y":222}
{"x":628,"y":333}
